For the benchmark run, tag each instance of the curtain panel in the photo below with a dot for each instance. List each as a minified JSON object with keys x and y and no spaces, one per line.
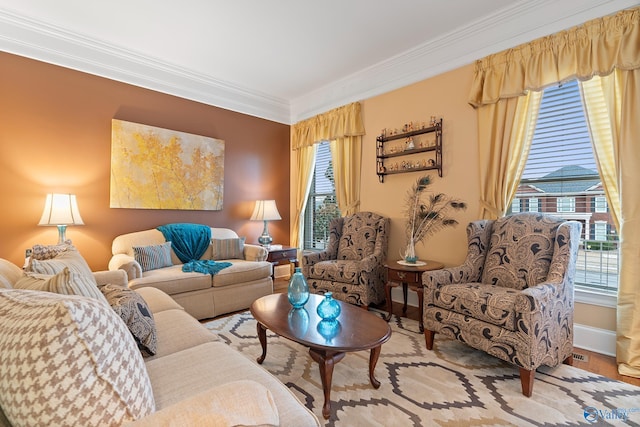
{"x":344,"y":128}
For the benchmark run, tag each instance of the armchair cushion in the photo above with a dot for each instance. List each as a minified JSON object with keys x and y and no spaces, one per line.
{"x":520,"y":251}
{"x":66,"y":282}
{"x":492,"y":304}
{"x":358,"y":239}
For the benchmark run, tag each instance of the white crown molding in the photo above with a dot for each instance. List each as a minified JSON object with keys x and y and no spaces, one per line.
{"x":47,"y":43}
{"x":525,"y":20}
{"x":522,"y":22}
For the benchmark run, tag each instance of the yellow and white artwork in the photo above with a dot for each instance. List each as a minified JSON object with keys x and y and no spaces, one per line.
{"x":155,"y":168}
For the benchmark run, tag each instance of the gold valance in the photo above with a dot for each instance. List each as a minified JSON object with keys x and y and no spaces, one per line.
{"x":593,"y":48}
{"x":337,"y":123}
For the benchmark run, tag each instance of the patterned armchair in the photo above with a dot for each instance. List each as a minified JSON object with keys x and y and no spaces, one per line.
{"x":513,"y":296}
{"x":352,"y":265}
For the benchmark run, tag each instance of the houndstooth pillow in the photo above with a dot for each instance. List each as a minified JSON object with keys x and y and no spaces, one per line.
{"x":68,"y":360}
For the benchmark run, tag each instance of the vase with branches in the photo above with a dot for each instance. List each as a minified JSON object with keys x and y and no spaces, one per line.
{"x":427,"y":213}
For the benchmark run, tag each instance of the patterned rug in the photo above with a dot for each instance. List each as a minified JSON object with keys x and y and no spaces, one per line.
{"x":454,"y":385}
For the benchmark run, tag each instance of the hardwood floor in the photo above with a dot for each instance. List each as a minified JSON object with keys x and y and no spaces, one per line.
{"x":593,"y":362}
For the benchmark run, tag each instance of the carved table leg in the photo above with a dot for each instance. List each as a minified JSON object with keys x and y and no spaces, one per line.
{"x":326,"y":361}
{"x":262,"y":336}
{"x":373,"y":360}
{"x":387,"y":290}
{"x":420,"y":292}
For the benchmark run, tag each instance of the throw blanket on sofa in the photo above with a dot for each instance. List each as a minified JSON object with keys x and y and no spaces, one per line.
{"x":190,"y":242}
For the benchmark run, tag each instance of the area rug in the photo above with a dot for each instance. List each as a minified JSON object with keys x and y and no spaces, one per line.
{"x":453,"y":385}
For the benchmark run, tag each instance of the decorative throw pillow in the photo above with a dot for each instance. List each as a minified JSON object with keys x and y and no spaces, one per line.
{"x":227,"y":248}
{"x":153,"y":257}
{"x":69,"y":258}
{"x":135,"y":313}
{"x":66,"y":282}
{"x":68,"y":360}
{"x":41,"y":252}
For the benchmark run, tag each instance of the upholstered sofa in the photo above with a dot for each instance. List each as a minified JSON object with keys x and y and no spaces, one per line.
{"x":202,"y":295}
{"x":71,"y":360}
{"x":352,"y":265}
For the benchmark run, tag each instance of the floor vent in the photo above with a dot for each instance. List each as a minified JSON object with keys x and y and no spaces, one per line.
{"x":580,"y":357}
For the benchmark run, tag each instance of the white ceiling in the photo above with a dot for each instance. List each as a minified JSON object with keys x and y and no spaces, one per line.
{"x":282,"y":60}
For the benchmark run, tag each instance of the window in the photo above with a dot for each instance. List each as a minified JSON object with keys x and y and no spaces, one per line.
{"x":533,"y":205}
{"x":515,"y":205}
{"x":566,"y":204}
{"x":600,"y":203}
{"x":562,"y":172}
{"x":321,"y":205}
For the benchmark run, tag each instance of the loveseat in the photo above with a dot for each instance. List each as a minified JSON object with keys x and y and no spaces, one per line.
{"x":202,"y":295}
{"x":71,"y":360}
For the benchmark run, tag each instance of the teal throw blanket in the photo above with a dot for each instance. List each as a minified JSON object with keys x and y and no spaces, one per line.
{"x":205,"y":266}
{"x":190,"y":242}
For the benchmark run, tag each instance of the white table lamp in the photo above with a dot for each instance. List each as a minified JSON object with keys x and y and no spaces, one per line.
{"x":61,"y":210}
{"x":265,"y":210}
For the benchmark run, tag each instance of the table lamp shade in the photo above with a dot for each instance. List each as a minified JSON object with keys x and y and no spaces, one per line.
{"x":265,"y":210}
{"x":61,"y":210}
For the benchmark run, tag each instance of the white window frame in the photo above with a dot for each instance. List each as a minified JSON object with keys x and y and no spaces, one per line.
{"x":566,"y":204}
{"x":600,"y":203}
{"x":534,"y":202}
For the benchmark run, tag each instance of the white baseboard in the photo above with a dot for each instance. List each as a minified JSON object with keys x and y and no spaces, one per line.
{"x":601,"y":341}
{"x":598,"y":340}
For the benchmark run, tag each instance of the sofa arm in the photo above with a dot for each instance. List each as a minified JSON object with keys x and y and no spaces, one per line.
{"x":117,"y":277}
{"x":255,"y":253}
{"x":244,"y":402}
{"x":133,"y":270}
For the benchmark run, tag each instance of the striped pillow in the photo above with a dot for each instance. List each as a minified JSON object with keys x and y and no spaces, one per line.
{"x":69,"y":258}
{"x":153,"y":257}
{"x":227,"y":248}
{"x":66,"y":282}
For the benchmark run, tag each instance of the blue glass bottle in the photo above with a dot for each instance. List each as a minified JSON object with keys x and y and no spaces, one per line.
{"x":298,"y":290}
{"x":328,"y":309}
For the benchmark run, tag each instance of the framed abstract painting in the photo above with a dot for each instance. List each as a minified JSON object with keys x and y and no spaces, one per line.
{"x":156,"y":168}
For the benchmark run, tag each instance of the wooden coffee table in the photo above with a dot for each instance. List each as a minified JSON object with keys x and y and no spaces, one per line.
{"x":358,"y":330}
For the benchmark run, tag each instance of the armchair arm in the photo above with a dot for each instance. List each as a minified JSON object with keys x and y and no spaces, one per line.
{"x":255,"y":252}
{"x":243,"y":402}
{"x":115,"y":277}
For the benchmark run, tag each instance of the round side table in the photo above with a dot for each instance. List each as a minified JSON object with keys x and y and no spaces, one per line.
{"x":410,"y":277}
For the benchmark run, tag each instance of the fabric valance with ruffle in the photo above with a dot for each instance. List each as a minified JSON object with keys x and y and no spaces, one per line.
{"x":593,"y":48}
{"x":340,"y":122}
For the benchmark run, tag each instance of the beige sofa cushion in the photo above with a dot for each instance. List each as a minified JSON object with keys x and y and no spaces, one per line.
{"x":180,"y":375}
{"x":239,"y":403}
{"x":172,"y":280}
{"x":68,"y":360}
{"x":242,"y":271}
{"x":177,"y":331}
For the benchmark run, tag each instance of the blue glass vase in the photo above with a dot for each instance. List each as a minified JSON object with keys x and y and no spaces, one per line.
{"x":298,"y":290}
{"x":298,"y":320}
{"x":328,"y":309}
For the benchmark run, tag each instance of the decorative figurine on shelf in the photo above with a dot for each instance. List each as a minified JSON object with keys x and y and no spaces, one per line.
{"x":409,"y":145}
{"x":433,"y":121}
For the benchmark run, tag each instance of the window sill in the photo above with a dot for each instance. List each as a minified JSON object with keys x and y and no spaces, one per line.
{"x":595,"y":297}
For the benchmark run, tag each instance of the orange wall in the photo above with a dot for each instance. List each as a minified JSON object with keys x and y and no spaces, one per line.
{"x":55,"y":136}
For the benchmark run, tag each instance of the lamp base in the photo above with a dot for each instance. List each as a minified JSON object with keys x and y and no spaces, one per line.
{"x":62,"y":229}
{"x":265,"y":239}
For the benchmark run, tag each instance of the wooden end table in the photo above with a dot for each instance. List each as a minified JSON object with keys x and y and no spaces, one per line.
{"x":283,"y":255}
{"x":410,"y":277}
{"x":357,"y":330}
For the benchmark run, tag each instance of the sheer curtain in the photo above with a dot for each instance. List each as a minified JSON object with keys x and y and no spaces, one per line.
{"x":344,"y":128}
{"x":596,"y":48}
{"x":615,"y":137}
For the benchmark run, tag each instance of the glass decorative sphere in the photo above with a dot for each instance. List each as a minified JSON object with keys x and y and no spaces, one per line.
{"x":328,"y":309}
